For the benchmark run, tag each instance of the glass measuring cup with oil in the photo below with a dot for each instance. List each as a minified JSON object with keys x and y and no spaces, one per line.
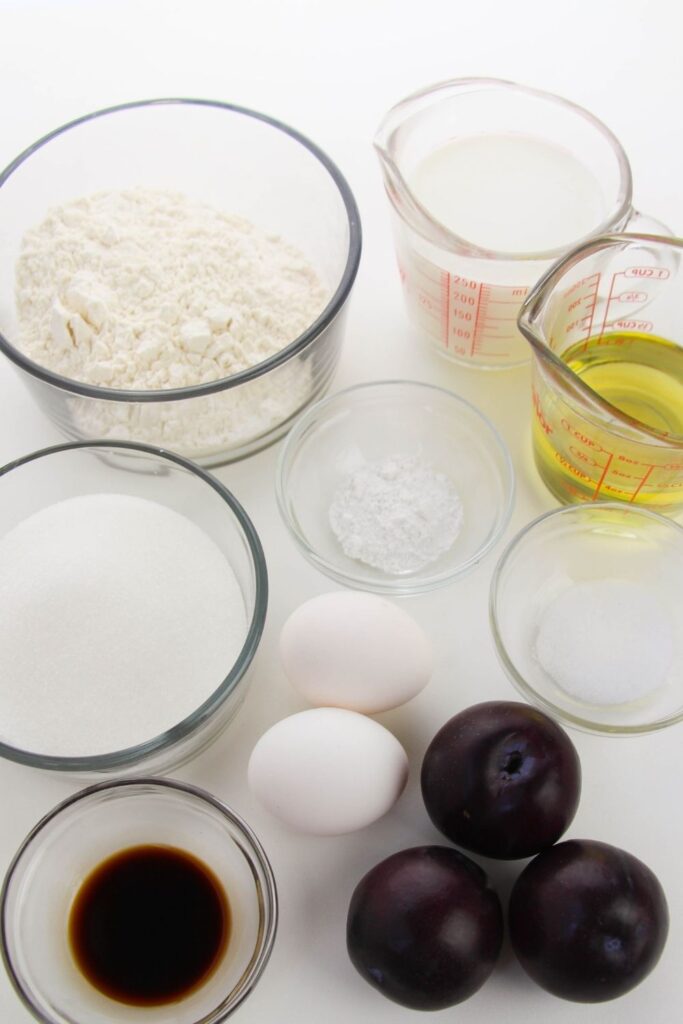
{"x":490,"y":182}
{"x":605,"y":327}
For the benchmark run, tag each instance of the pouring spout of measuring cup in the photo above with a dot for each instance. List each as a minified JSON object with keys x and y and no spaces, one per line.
{"x":395,"y":185}
{"x":412,"y":129}
{"x":557,"y":307}
{"x":643,"y":224}
{"x":398,"y":145}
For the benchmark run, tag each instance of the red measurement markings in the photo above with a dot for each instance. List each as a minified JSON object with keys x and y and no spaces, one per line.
{"x":645,"y":326}
{"x":428,"y":293}
{"x":642,"y":273}
{"x":497,"y":318}
{"x":462,"y":310}
{"x":580,"y":285}
{"x":637,"y":490}
{"x":473,"y":317}
{"x":653,"y":273}
{"x":581,"y":436}
{"x":446,"y":316}
{"x":429,"y":304}
{"x":582,"y":306}
{"x":610,"y":299}
{"x":571,"y":468}
{"x":602,"y":478}
{"x":538,"y":408}
{"x":582,"y":456}
{"x":475,"y":332}
{"x":589,"y":302}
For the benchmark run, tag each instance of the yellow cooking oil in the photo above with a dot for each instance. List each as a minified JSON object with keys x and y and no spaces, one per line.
{"x":641,"y":375}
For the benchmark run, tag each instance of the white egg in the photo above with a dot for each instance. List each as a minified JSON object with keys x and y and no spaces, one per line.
{"x":327,"y":771}
{"x":358,"y":651}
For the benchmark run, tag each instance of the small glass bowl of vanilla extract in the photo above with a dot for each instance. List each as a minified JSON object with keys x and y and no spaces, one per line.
{"x":139,"y":899}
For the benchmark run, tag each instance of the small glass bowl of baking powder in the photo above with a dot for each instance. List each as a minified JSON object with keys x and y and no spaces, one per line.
{"x":87,"y":829}
{"x":133,"y":595}
{"x":395,"y":487}
{"x":586,"y":610}
{"x":177,"y":310}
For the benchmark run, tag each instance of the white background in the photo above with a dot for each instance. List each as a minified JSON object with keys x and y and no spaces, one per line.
{"x":332,"y":70}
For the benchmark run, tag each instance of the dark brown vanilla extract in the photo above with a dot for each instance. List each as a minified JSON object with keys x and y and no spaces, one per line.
{"x":149,"y":925}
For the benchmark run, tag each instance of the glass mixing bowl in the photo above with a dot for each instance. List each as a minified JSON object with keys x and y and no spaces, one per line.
{"x":373,"y":421}
{"x":54,"y":474}
{"x":80,"y":833}
{"x":579,"y":545}
{"x":236,"y":160}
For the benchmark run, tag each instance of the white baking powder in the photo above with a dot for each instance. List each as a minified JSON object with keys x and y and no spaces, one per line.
{"x":146,"y":289}
{"x":396,"y":514}
{"x":118,"y":617}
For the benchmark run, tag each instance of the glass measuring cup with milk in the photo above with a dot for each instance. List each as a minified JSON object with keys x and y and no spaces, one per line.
{"x":489,"y":183}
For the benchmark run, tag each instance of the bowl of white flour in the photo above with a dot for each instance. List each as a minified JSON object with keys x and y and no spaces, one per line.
{"x":133,"y":593}
{"x":175,"y":272}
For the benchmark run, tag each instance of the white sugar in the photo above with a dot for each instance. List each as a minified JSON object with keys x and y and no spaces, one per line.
{"x":607,"y":641}
{"x":118,"y":617}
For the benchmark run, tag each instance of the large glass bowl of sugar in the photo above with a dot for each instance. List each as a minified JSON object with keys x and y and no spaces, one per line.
{"x":238,"y":162}
{"x":586,"y":610}
{"x":133,"y":593}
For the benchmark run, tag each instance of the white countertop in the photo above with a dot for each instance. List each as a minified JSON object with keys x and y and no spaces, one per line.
{"x":332,"y":70}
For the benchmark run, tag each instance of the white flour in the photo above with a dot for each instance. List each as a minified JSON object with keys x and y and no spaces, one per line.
{"x":118,"y":617}
{"x":148,"y":290}
{"x":396,"y":514}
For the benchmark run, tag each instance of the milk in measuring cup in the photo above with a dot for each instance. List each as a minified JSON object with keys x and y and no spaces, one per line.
{"x":509,"y":192}
{"x":489,"y":182}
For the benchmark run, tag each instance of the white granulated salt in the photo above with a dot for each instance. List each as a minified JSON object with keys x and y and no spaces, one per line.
{"x":606,"y":641}
{"x":118,"y":617}
{"x":146,"y":289}
{"x":396,"y":514}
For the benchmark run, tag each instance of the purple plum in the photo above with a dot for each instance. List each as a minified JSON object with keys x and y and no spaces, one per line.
{"x":425,"y":928}
{"x":501,"y":779}
{"x":587,"y":921}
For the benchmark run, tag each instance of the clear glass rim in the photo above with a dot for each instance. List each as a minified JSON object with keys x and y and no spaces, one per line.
{"x":516,"y":678}
{"x":433,"y":231}
{"x":254,"y":852}
{"x":299,"y":344}
{"x":400,"y":586}
{"x":131,"y":755}
{"x":529,"y":319}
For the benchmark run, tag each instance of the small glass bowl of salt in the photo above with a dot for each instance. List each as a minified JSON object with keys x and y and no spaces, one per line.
{"x":586,"y":610}
{"x":395,"y":486}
